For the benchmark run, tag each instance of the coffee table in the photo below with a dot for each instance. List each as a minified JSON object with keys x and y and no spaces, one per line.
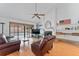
{"x":25,"y":41}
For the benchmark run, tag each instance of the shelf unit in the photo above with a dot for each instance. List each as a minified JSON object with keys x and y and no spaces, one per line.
{"x":68,"y":31}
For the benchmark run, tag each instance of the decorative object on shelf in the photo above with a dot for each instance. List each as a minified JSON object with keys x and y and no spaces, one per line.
{"x":77,"y":27}
{"x":65,"y":21}
{"x":78,"y":22}
{"x":71,"y":28}
{"x":61,"y":22}
{"x":67,"y":28}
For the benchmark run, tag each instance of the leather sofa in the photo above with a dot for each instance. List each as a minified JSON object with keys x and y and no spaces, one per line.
{"x":39,"y":49}
{"x":7,"y":48}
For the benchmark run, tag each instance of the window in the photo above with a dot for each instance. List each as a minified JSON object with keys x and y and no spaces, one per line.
{"x":20,"y":30}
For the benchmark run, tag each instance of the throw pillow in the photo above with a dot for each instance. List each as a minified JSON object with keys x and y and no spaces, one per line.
{"x":41,"y":41}
{"x":4,"y":37}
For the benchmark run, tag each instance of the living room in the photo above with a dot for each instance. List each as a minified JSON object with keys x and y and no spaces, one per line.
{"x":39,"y":29}
{"x":17,"y":23}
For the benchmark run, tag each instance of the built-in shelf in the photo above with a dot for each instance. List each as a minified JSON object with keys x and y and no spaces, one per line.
{"x":68,"y":31}
{"x":73,"y":34}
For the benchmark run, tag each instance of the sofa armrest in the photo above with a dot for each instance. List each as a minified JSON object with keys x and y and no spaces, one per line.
{"x":2,"y":46}
{"x":36,"y":45}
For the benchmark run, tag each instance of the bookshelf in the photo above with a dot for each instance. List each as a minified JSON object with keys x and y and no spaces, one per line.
{"x":68,"y":31}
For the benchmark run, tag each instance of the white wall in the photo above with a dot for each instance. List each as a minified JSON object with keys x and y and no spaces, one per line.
{"x":6,"y":25}
{"x":51,"y":17}
{"x":70,"y":10}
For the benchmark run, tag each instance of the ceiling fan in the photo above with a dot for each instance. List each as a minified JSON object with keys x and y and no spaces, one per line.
{"x":36,"y":14}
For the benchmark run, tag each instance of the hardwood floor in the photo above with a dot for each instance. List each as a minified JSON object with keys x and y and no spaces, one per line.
{"x":60,"y":49}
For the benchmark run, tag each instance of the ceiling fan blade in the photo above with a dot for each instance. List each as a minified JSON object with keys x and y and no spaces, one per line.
{"x":38,"y":17}
{"x":33,"y":16}
{"x":41,"y":14}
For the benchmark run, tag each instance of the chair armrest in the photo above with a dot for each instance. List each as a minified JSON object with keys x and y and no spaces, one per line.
{"x":37,"y":42}
{"x":36,"y":45}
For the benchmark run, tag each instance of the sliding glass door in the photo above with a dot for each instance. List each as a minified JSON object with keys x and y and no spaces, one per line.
{"x":20,"y":30}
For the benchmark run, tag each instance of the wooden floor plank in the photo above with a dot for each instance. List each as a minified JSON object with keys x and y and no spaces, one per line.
{"x":60,"y":49}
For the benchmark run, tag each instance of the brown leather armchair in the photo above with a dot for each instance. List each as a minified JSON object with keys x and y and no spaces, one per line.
{"x":46,"y":45}
{"x":6,"y":48}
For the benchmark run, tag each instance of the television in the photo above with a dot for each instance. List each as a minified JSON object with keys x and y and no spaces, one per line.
{"x":35,"y":31}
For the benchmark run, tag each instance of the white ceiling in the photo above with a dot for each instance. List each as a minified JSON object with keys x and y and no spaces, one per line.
{"x":23,"y":11}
